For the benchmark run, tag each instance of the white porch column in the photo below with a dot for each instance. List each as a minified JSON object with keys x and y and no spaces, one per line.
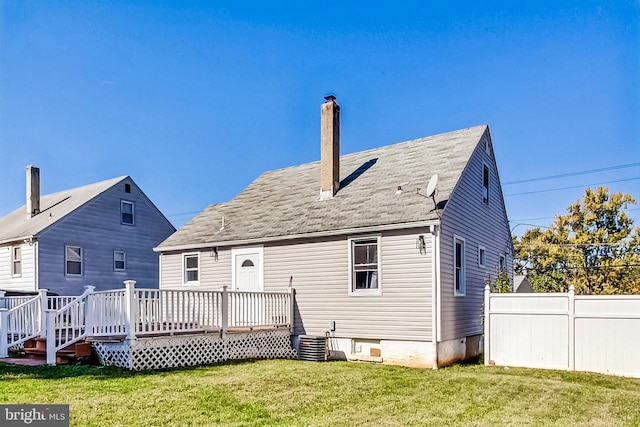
{"x":89,"y":315}
{"x":50,"y":316}
{"x":44,"y":306}
{"x":131,"y":309}
{"x":224,"y":310}
{"x":292,"y":309}
{"x":4,"y":320}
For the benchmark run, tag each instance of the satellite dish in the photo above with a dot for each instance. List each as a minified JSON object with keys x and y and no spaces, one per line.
{"x":431,"y":186}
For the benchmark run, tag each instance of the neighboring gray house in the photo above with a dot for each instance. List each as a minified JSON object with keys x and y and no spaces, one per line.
{"x":99,"y":234}
{"x":375,"y":265}
{"x":521,"y":284}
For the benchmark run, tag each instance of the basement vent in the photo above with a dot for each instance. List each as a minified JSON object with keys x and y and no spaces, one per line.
{"x":312,"y":349}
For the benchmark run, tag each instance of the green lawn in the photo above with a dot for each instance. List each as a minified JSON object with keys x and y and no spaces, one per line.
{"x":287,"y":392}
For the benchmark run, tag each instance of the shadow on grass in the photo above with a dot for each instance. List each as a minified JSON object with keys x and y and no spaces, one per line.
{"x":9,"y":371}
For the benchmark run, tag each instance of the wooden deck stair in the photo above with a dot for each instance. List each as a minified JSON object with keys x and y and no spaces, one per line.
{"x":36,"y":348}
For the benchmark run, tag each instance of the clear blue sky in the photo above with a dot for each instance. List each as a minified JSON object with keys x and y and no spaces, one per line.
{"x":194,"y":100}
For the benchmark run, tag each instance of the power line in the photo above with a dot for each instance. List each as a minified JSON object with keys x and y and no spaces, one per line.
{"x":565,"y":175}
{"x":553,"y":217}
{"x":572,"y":187}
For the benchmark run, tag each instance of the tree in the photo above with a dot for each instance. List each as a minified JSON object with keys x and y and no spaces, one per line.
{"x":593,"y":247}
{"x":501,"y":284}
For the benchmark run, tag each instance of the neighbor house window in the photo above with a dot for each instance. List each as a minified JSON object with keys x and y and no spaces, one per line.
{"x":485,"y":184}
{"x":459,"y":265}
{"x":502,"y":263}
{"x":482,"y":256}
{"x":73,"y":260}
{"x":365,"y":263}
{"x":16,"y":261}
{"x":126,"y":212}
{"x":119,"y":260}
{"x":191,"y":269}
{"x":127,"y":188}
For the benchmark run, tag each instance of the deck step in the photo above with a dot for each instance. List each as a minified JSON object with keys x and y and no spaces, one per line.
{"x":36,"y":348}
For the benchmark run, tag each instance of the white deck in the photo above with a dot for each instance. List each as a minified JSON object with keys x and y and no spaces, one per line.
{"x":151,"y":328}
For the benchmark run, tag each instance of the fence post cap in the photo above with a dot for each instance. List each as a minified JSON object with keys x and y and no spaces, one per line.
{"x":129,"y":282}
{"x":487,"y":288}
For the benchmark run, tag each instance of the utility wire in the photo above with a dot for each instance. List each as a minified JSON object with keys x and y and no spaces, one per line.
{"x":572,"y":187}
{"x":565,"y":175}
{"x":553,"y":217}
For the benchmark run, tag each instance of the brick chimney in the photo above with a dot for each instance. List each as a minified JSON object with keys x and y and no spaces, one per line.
{"x":33,"y":191}
{"x":329,"y":148}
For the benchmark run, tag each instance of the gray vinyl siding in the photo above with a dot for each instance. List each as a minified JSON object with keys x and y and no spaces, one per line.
{"x":320,"y":271}
{"x":214,"y":272}
{"x":466,"y":216}
{"x":27,"y":280}
{"x":96,"y":228}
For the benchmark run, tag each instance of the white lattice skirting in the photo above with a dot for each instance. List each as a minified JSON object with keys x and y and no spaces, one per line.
{"x":190,"y":350}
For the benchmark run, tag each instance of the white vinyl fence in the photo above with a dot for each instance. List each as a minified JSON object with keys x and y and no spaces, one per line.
{"x":596,"y":333}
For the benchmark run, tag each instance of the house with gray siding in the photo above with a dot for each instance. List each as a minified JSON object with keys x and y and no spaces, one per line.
{"x":388,"y":267}
{"x":99,"y":234}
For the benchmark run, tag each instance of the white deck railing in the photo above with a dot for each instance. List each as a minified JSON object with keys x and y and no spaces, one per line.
{"x":20,"y":322}
{"x":68,"y":324}
{"x":129,"y":312}
{"x":162,"y":311}
{"x":107,"y":313}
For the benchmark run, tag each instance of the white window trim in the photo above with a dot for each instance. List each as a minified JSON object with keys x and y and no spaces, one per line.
{"x":114,"y":260}
{"x":502,"y":259}
{"x":463,"y":267}
{"x":13,"y":261}
{"x":365,"y":292}
{"x":244,"y":251}
{"x":133,"y":212}
{"x":486,"y":166}
{"x":66,"y":272}
{"x":184,"y":269}
{"x":480,"y":260}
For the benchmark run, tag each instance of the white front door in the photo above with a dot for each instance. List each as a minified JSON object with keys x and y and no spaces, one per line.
{"x":247,"y":309}
{"x":247,"y":272}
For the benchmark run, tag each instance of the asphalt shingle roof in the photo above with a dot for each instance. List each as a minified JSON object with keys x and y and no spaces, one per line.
{"x":53,"y":207}
{"x":286,"y":202}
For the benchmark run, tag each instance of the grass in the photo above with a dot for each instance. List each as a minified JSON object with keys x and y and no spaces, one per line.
{"x":287,"y":392}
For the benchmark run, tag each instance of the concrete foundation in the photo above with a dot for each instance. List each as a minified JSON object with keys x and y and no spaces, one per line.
{"x":418,"y":354}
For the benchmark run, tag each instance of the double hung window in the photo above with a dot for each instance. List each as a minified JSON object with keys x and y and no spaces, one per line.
{"x":73,"y":260}
{"x":485,"y":184}
{"x":191,"y":269}
{"x":126,"y":212}
{"x":16,"y":261}
{"x":459,"y":266}
{"x":365,"y":264}
{"x":119,"y":261}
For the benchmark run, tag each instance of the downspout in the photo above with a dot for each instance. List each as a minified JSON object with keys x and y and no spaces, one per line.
{"x":435,"y":289}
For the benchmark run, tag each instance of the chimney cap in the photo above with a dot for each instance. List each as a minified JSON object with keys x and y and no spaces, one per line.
{"x":330,"y":98}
